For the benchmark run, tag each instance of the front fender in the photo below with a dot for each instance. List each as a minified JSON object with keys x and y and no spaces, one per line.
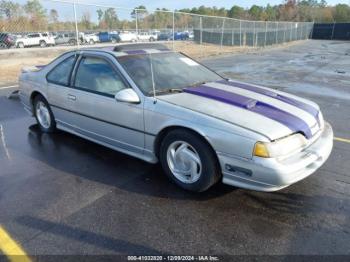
{"x":223,"y":137}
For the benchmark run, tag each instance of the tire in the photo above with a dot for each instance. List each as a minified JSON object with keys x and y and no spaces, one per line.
{"x":42,"y":43}
{"x":151,"y":39}
{"x":205,"y":173}
{"x":91,"y":42}
{"x":20,"y":45}
{"x":50,"y":125}
{"x":72,"y":42}
{"x":3,"y":46}
{"x":114,"y":40}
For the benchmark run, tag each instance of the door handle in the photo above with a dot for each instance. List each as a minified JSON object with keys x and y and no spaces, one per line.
{"x":71,"y":97}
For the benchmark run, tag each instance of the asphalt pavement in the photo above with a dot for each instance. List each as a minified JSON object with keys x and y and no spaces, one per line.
{"x":62,"y":195}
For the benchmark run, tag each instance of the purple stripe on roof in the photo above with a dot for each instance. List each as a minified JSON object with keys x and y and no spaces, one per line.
{"x":292,"y":122}
{"x":135,"y":52}
{"x":306,"y":107}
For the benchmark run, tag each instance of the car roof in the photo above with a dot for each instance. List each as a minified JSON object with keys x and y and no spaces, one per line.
{"x":131,"y":49}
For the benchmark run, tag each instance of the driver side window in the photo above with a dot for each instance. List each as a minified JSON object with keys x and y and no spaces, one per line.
{"x":96,"y":75}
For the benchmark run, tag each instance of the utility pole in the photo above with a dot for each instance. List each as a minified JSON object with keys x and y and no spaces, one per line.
{"x":76,"y":24}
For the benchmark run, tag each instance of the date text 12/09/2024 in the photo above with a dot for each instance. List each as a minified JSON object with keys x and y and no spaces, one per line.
{"x":173,"y":258}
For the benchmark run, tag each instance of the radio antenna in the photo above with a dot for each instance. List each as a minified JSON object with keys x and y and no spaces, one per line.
{"x":153,"y":84}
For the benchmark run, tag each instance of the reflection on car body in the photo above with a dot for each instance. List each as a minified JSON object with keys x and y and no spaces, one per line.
{"x":159,"y":105}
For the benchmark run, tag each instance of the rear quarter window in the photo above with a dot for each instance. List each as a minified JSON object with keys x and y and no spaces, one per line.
{"x":61,"y":73}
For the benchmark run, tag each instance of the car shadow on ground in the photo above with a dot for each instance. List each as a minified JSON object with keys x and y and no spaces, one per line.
{"x":85,"y":236}
{"x":88,"y":160}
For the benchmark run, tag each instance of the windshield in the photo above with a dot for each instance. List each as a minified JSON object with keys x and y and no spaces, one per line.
{"x":171,"y":71}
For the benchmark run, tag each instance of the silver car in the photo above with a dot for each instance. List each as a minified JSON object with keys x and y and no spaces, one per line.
{"x":159,"y":105}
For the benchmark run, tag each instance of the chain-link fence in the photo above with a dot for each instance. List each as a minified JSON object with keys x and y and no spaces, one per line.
{"x":58,"y":22}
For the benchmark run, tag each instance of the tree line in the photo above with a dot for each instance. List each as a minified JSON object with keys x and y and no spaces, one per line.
{"x":32,"y":16}
{"x":288,"y":10}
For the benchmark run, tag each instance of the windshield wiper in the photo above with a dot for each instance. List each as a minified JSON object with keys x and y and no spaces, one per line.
{"x":198,"y":84}
{"x":174,"y":90}
{"x":166,"y":91}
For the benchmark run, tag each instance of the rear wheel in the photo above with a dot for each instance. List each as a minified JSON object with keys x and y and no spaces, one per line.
{"x":189,"y":161}
{"x":72,"y":42}
{"x":43,"y":114}
{"x":43,"y":43}
{"x":20,"y":45}
{"x":91,"y":42}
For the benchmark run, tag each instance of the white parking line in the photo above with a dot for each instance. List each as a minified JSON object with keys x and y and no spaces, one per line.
{"x":2,"y":137}
{"x":8,"y":87}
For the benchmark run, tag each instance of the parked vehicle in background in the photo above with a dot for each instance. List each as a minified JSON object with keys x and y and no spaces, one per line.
{"x":108,"y":37}
{"x":145,"y":36}
{"x":90,"y":39}
{"x":165,"y":36}
{"x":36,"y":39}
{"x":180,"y":36}
{"x":66,"y":38}
{"x":191,"y":35}
{"x":7,"y":40}
{"x":127,"y":36}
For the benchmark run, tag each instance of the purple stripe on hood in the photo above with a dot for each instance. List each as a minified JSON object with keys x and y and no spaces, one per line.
{"x":306,"y":107}
{"x":292,"y":122}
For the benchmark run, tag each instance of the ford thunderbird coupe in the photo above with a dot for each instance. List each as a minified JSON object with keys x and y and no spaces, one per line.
{"x":162,"y":106}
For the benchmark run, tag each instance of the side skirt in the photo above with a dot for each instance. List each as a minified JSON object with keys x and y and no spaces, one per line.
{"x":146,"y":156}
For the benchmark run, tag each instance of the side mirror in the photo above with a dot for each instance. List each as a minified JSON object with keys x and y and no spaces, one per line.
{"x":127,"y":96}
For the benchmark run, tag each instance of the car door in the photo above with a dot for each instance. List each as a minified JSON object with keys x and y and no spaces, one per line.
{"x":35,"y":40}
{"x":98,"y":114}
{"x":29,"y":40}
{"x":58,"y":91}
{"x":59,"y":39}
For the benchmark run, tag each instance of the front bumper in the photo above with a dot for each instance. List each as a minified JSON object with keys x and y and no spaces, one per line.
{"x":267,"y":174}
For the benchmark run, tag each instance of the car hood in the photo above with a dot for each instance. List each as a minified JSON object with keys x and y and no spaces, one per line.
{"x":272,"y":113}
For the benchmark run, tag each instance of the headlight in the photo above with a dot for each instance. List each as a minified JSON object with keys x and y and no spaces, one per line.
{"x":279,"y":147}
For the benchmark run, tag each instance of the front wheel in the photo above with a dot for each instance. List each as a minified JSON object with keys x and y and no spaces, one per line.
{"x":91,"y":42}
{"x":189,"y":161}
{"x":3,"y":46}
{"x":43,"y":115}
